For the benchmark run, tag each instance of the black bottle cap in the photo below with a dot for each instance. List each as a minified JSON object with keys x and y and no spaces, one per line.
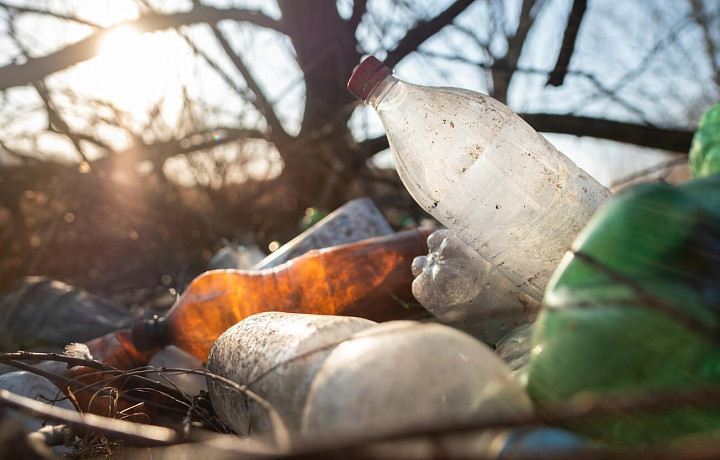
{"x":150,"y":333}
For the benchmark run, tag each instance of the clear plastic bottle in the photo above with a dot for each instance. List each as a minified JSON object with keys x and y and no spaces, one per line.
{"x":516,"y":346}
{"x":483,"y":172}
{"x":464,"y":290}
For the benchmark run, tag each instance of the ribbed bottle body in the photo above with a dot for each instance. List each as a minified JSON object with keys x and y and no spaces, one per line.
{"x":480,"y":170}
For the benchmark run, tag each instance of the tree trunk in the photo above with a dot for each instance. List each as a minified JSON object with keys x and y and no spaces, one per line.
{"x":325,"y":51}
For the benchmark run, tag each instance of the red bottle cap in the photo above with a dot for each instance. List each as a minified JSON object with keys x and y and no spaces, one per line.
{"x":366,"y":76}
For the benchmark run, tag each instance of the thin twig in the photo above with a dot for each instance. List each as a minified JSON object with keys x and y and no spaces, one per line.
{"x":664,"y":166}
{"x":139,"y":434}
{"x":53,"y":14}
{"x":577,"y":13}
{"x":279,"y":429}
{"x":71,"y":361}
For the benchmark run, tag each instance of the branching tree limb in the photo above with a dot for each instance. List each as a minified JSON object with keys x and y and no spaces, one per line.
{"x":359,"y":8}
{"x":40,"y":67}
{"x":260,"y":101}
{"x":644,"y":136}
{"x":703,"y":21}
{"x":502,"y":74}
{"x":665,"y":139}
{"x":45,"y":12}
{"x":138,"y":434}
{"x":557,"y":76}
{"x":57,"y":122}
{"x":424,"y":30}
{"x":205,"y":140}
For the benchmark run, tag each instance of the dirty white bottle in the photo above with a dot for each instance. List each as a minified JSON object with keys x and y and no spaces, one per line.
{"x":356,"y":220}
{"x":483,"y":172}
{"x":33,"y":386}
{"x":276,"y":355}
{"x":459,"y":287}
{"x":403,"y":375}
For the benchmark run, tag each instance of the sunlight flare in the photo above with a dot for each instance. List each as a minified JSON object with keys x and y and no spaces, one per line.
{"x":121,"y":44}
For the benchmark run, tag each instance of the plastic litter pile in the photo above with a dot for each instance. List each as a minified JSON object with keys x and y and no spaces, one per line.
{"x":546,"y":319}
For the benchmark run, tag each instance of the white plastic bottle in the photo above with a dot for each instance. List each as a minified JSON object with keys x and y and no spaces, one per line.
{"x":483,"y":172}
{"x":276,"y":355}
{"x":356,"y":220}
{"x":28,"y":385}
{"x":402,"y":375}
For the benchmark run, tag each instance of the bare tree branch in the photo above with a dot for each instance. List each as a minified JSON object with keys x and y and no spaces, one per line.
{"x":215,"y":66}
{"x":664,"y":167}
{"x":87,"y":48}
{"x":499,"y":67}
{"x":424,"y":30}
{"x":503,"y":72}
{"x":43,"y":12}
{"x":140,"y":434}
{"x":162,"y":150}
{"x":71,"y":361}
{"x":370,"y":147}
{"x":703,"y":20}
{"x":260,"y":101}
{"x":57,"y":122}
{"x":672,"y":35}
{"x":643,"y":136}
{"x":557,"y":76}
{"x":359,"y":8}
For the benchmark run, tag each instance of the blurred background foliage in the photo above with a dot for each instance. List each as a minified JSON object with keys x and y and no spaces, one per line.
{"x":136,"y":134}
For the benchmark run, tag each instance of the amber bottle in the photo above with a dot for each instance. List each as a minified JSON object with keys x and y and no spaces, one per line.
{"x":370,"y":279}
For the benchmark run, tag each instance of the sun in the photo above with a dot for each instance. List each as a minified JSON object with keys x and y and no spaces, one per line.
{"x":120,"y":43}
{"x":133,"y":70}
{"x":128,"y":70}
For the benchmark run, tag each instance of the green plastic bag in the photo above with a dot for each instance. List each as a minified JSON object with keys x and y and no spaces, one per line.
{"x":635,"y":307}
{"x":705,"y":148}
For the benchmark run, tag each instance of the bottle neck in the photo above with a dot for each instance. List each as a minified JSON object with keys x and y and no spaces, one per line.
{"x":150,"y":333}
{"x":380,"y":90}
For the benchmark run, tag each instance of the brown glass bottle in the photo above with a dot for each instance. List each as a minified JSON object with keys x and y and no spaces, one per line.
{"x":370,"y":279}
